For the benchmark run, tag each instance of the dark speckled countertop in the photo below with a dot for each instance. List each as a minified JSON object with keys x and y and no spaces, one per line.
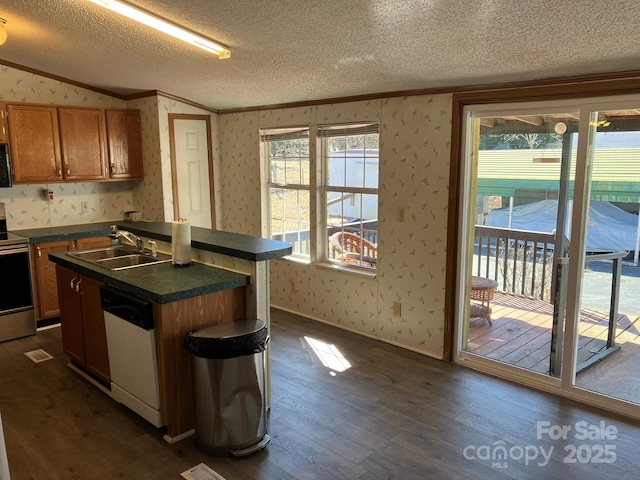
{"x":68,"y":232}
{"x":161,"y":282}
{"x":164,"y":283}
{"x":233,"y":244}
{"x":218,"y":241}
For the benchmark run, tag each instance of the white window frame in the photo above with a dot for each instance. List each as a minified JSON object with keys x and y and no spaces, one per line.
{"x":268,"y":135}
{"x":344,"y":130}
{"x":319,"y":250}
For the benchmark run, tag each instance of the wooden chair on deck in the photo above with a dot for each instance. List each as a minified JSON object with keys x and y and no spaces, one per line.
{"x":352,"y":248}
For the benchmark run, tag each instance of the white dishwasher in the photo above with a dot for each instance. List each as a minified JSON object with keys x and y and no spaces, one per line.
{"x":131,"y":342}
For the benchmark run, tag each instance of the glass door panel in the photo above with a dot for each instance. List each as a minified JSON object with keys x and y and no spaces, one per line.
{"x":608,"y":340}
{"x":519,"y":184}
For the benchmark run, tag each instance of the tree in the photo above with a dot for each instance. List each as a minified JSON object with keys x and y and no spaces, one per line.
{"x":518,"y":140}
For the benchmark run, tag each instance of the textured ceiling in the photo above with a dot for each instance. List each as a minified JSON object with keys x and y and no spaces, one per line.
{"x":296,"y":50}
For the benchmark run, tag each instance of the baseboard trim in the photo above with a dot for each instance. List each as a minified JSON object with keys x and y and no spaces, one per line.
{"x":177,"y":438}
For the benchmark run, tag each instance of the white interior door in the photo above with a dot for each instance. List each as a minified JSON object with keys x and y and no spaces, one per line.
{"x":192,"y":171}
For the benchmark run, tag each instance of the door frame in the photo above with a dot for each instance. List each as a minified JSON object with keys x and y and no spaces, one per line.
{"x":563,"y":386}
{"x":174,"y":168}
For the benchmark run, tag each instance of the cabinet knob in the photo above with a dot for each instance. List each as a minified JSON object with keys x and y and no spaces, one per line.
{"x":78,"y":285}
{"x":39,"y":252}
{"x":68,"y":172}
{"x":59,"y":172}
{"x":72,"y":283}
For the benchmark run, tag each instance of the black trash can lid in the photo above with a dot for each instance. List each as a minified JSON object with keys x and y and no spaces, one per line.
{"x":228,"y":340}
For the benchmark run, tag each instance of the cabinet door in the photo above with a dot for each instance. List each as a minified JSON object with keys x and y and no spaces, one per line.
{"x":82,"y":136}
{"x":35,"y":143}
{"x":95,"y":336}
{"x":4,"y":134}
{"x":92,"y":242}
{"x":70,"y":314}
{"x":125,"y":144}
{"x":44,"y":273}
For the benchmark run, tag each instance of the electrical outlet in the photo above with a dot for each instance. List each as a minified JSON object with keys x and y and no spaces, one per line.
{"x":84,"y":206}
{"x":397,"y":309}
{"x":400,"y":214}
{"x":292,"y":286}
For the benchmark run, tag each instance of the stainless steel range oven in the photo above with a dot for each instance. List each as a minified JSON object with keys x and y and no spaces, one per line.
{"x":17,"y":318}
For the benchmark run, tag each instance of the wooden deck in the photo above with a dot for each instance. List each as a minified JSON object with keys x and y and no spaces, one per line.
{"x":521,"y":336}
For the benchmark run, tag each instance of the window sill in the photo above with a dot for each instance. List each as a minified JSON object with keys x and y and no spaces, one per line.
{"x":361,"y":271}
{"x":291,"y":258}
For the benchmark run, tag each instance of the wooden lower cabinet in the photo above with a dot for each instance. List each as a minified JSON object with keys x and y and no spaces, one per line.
{"x":84,"y":338}
{"x":44,"y":278}
{"x":91,"y":242}
{"x":44,"y":272}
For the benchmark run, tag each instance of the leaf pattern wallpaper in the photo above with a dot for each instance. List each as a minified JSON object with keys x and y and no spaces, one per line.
{"x":414,"y":175}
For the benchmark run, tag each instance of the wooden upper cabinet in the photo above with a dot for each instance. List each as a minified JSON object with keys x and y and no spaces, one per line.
{"x":56,"y":144}
{"x":4,"y":133}
{"x":125,"y":144}
{"x":83,"y":141}
{"x":35,"y":143}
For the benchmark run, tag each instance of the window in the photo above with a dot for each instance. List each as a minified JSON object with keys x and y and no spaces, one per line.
{"x":328,"y":186}
{"x":350,"y":190}
{"x":286,"y":153}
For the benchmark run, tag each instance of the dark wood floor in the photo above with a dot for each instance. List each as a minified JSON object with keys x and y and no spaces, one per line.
{"x":393,"y":414}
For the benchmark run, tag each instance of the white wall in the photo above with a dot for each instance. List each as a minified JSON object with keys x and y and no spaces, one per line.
{"x":414,"y":174}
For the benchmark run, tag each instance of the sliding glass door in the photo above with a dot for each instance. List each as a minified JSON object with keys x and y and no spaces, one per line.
{"x":519,"y":184}
{"x":608,"y":340}
{"x":548,"y":251}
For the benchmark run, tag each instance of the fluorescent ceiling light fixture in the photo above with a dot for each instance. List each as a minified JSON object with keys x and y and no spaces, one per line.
{"x":145,"y":18}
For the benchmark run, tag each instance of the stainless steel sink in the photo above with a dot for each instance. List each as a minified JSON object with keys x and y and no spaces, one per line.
{"x":102,"y":253}
{"x":120,"y":257}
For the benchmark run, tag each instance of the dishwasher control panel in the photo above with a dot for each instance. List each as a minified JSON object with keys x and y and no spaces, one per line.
{"x":128,"y":307}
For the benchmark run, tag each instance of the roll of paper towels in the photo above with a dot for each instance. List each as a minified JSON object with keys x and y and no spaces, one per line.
{"x":181,"y":242}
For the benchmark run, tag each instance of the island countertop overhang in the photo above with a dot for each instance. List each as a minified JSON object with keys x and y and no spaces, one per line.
{"x":237,"y":245}
{"x":160,"y":283}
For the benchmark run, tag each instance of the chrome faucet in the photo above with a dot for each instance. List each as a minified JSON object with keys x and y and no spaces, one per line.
{"x":128,"y":236}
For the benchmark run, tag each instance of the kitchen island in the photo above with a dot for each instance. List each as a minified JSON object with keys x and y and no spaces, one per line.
{"x":228,"y":280}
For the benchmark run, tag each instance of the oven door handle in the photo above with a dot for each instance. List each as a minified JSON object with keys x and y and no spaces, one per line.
{"x":9,"y":250}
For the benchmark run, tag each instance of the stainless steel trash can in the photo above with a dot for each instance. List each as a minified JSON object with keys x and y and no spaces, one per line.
{"x":229,"y":387}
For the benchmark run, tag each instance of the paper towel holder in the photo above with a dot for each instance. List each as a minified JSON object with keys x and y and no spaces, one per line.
{"x":181,"y":243}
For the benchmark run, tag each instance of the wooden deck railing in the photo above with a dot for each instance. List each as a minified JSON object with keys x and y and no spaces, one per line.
{"x":521,"y":261}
